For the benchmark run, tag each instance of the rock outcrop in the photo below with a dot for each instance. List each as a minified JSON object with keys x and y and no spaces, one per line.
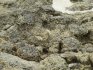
{"x":33,"y":36}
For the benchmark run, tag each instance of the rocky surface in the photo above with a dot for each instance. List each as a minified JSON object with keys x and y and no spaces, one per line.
{"x":33,"y":36}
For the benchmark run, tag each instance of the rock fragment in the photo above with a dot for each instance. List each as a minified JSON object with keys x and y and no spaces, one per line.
{"x":71,"y":43}
{"x":54,"y":62}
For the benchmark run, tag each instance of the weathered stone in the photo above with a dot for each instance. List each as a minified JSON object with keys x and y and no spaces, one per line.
{"x":81,"y":6}
{"x":39,"y":36}
{"x":78,"y":66}
{"x":83,"y":58}
{"x":11,"y":62}
{"x":70,"y":57}
{"x":31,"y":31}
{"x":87,"y":48}
{"x":28,"y":52}
{"x":63,"y":19}
{"x":78,"y":30}
{"x":71,"y":43}
{"x":47,"y":8}
{"x":54,"y":62}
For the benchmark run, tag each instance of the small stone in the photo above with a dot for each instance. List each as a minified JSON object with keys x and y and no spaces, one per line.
{"x":87,"y":48}
{"x":83,"y":58}
{"x":6,"y":46}
{"x":78,"y":66}
{"x":47,"y":8}
{"x":54,"y":62}
{"x":78,"y":30}
{"x":6,"y":27}
{"x":74,"y":65}
{"x":29,"y":52}
{"x":66,"y":33}
{"x":70,"y":57}
{"x":26,"y":17}
{"x":11,"y":62}
{"x":71,"y":43}
{"x":54,"y":47}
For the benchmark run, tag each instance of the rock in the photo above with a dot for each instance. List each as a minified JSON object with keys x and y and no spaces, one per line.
{"x":83,"y":58}
{"x":29,"y":52}
{"x":54,"y":47}
{"x":15,"y":63}
{"x":70,"y":57}
{"x":47,"y":8}
{"x":74,"y":1}
{"x":81,"y":6}
{"x":7,"y":1}
{"x":55,"y":35}
{"x":76,"y":66}
{"x":63,"y":19}
{"x":87,"y":48}
{"x":33,"y":36}
{"x":91,"y":35}
{"x":7,"y":47}
{"x":6,"y":27}
{"x":85,"y":18}
{"x":4,"y":11}
{"x":71,"y":43}
{"x":3,"y":33}
{"x":5,"y":17}
{"x":55,"y":40}
{"x":88,"y":1}
{"x":1,"y":66}
{"x":60,"y":27}
{"x":26,"y":17}
{"x":66,"y":34}
{"x":78,"y":30}
{"x":54,"y":62}
{"x":40,"y":49}
{"x":13,"y":34}
{"x":91,"y":58}
{"x":39,"y":36}
{"x":88,"y":25}
{"x":33,"y":5}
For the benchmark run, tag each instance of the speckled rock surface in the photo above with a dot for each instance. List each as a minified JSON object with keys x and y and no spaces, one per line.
{"x":33,"y":36}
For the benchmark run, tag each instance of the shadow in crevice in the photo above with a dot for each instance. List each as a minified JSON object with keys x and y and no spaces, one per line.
{"x":60,"y":47}
{"x":84,"y":38}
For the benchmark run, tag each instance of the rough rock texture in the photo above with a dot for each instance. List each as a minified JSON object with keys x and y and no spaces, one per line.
{"x":33,"y":36}
{"x":10,"y":62}
{"x":54,"y":62}
{"x":81,"y":6}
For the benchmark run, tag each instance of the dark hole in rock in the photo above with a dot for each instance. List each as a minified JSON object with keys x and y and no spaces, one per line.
{"x":60,"y":47}
{"x":44,"y":23}
{"x":57,"y":13}
{"x":45,"y":50}
{"x":28,"y":68}
{"x":75,"y":50}
{"x":14,"y":49}
{"x":74,"y":60}
{"x":84,"y":21}
{"x":91,"y":19}
{"x":76,"y":0}
{"x":36,"y":45}
{"x":90,"y":62}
